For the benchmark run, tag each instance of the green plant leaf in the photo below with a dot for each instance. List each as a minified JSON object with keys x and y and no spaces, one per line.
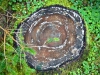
{"x":15,"y":59}
{"x":56,"y":39}
{"x":20,"y":0}
{"x":49,"y":40}
{"x":28,"y":6}
{"x":30,"y":50}
{"x":2,"y":65}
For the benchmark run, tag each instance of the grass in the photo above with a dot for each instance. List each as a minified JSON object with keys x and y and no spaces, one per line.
{"x":11,"y":62}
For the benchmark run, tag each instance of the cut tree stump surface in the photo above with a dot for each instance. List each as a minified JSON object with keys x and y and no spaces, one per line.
{"x":56,"y":33}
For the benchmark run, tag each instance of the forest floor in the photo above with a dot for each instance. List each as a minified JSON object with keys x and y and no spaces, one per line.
{"x":13,"y":12}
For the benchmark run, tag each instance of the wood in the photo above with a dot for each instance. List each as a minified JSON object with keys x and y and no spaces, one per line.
{"x":53,"y":22}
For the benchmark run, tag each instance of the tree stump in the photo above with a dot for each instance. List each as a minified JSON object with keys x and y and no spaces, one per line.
{"x":56,"y":33}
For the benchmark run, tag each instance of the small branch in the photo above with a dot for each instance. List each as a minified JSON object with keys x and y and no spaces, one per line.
{"x":7,"y":32}
{"x":5,"y":47}
{"x":4,"y":43}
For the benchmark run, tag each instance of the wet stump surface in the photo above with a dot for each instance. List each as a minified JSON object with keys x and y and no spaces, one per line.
{"x":56,"y":33}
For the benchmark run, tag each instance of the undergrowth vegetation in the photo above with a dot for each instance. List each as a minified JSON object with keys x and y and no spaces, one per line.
{"x":12,"y":12}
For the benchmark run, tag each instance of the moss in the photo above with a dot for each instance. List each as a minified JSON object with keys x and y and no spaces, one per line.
{"x":65,"y":3}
